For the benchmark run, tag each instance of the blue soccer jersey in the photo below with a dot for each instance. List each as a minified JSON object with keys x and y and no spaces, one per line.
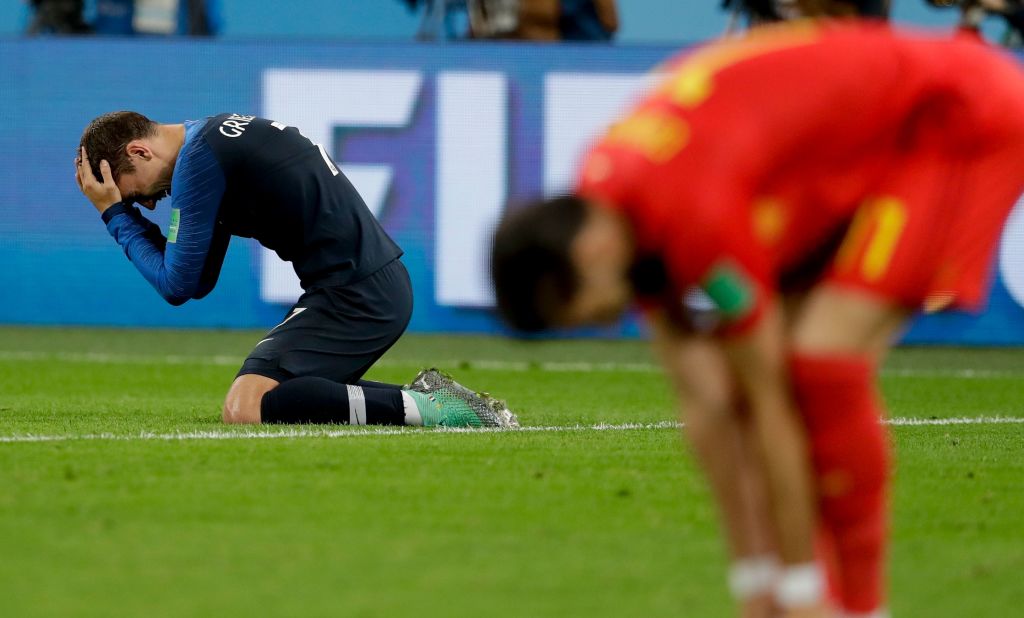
{"x":252,"y":177}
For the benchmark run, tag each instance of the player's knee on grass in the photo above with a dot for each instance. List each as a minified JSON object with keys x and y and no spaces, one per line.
{"x":242,"y":404}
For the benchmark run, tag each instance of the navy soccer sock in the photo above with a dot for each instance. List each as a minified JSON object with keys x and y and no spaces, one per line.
{"x":372,"y":384}
{"x":321,"y":401}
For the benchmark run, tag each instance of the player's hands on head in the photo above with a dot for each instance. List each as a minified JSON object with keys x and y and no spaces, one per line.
{"x":104,"y":194}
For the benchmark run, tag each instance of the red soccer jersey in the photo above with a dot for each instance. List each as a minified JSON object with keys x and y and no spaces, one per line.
{"x":756,"y":158}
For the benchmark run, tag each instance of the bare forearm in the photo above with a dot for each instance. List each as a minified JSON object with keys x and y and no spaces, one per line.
{"x":720,"y":436}
{"x":788,"y":476}
{"x":723,"y":450}
{"x":758,"y":360}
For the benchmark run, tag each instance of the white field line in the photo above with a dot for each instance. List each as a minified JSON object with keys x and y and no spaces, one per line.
{"x":351,"y":432}
{"x":449,"y":364}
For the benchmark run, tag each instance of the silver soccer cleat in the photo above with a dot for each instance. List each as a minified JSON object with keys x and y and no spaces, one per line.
{"x":489,"y":411}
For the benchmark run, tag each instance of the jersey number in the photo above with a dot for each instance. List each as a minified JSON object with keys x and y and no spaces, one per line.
{"x":873,"y":236}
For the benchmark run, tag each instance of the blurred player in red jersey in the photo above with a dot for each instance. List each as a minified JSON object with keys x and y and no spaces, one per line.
{"x":819,"y":183}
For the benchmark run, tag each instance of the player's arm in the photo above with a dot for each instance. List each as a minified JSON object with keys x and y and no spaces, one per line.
{"x":214,"y":261}
{"x":151,"y":231}
{"x":758,"y":358}
{"x":754,"y":340}
{"x":669,"y":339}
{"x":717,"y":251}
{"x":720,"y":433}
{"x":177,"y":266}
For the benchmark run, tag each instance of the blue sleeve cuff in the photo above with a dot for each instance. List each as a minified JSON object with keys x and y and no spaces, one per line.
{"x":118,"y":208}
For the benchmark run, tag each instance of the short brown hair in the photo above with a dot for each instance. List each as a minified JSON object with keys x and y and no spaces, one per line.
{"x":531,"y":264}
{"x":107,"y":136}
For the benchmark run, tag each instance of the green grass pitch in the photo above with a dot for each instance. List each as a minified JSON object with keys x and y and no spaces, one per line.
{"x":133,"y":502}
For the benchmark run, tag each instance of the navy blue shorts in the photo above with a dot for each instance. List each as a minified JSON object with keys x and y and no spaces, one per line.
{"x":337,"y":332}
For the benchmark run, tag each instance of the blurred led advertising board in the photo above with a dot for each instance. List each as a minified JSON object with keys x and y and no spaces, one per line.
{"x":436,"y":138}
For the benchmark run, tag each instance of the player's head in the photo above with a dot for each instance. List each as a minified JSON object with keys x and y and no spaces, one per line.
{"x":560,"y":263}
{"x":126,"y":141}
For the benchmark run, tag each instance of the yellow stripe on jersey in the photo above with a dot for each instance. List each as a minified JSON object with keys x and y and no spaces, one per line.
{"x":693,"y":81}
{"x":770,"y":219}
{"x":892,"y":218}
{"x":875,"y":230}
{"x":657,"y":135}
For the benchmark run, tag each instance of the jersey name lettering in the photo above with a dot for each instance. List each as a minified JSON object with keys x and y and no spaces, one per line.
{"x":235,"y":125}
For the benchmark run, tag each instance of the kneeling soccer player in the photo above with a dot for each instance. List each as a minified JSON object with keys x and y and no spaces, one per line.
{"x":819,"y":183}
{"x":247,"y":176}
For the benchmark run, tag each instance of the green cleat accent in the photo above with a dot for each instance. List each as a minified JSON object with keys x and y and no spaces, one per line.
{"x":444,"y":410}
{"x":459,"y":406}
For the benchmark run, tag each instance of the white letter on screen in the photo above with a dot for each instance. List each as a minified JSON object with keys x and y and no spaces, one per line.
{"x":577,"y":109}
{"x":1011,"y":254}
{"x":472,"y":171}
